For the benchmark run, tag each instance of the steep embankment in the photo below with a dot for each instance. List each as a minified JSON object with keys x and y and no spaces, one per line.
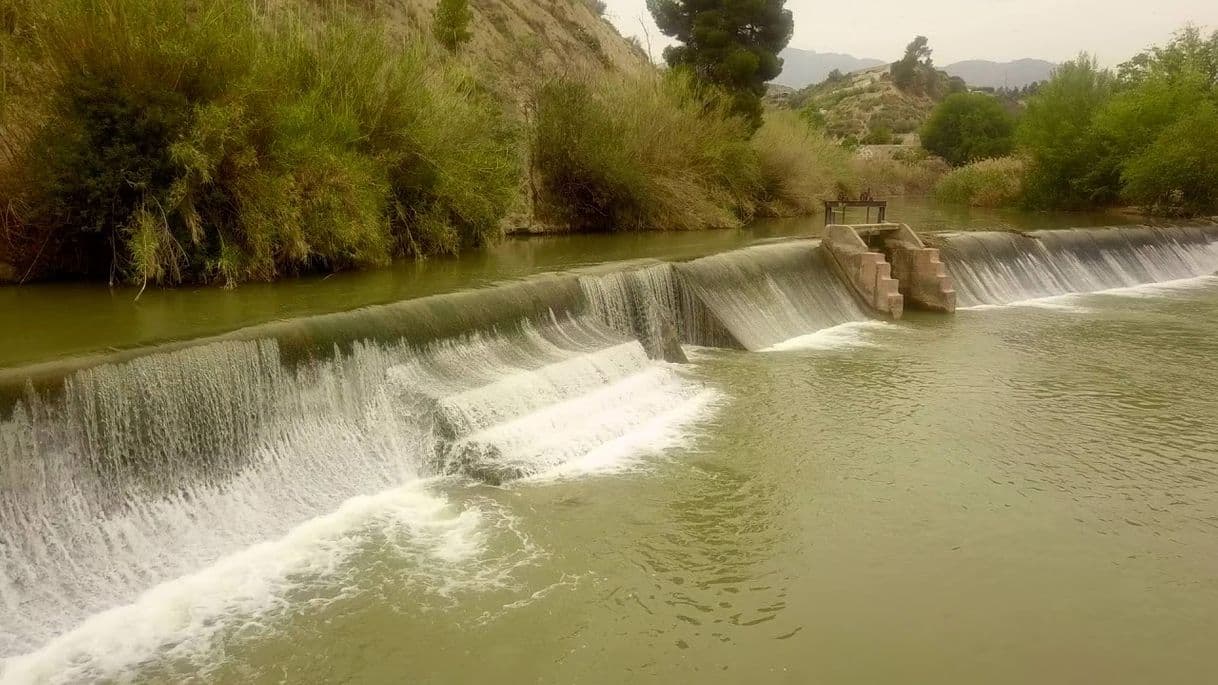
{"x":515,"y":43}
{"x":173,"y":141}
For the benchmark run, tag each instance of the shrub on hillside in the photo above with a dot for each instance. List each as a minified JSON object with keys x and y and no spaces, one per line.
{"x":878,"y":135}
{"x":450,"y":23}
{"x":988,"y":183}
{"x":199,"y":143}
{"x":967,"y":127}
{"x":618,"y":152}
{"x":799,"y":167}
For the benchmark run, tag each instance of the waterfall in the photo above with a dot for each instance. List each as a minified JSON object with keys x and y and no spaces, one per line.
{"x":765,"y":295}
{"x":134,"y":473}
{"x":1001,"y":268}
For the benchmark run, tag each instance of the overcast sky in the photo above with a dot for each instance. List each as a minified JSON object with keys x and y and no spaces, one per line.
{"x":1002,"y":30}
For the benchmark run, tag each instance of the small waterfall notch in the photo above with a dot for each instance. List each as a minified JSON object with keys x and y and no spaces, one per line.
{"x":993,"y":268}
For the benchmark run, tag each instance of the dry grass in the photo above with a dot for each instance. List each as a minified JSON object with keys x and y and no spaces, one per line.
{"x":799,"y":167}
{"x":987,"y":183}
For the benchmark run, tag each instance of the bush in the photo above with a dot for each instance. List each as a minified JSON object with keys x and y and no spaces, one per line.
{"x":1069,"y":167}
{"x":967,"y":127}
{"x":799,"y":167}
{"x":878,"y":135}
{"x":199,"y":143}
{"x":618,"y":152}
{"x":884,"y":176}
{"x":1178,"y":173}
{"x":450,"y":23}
{"x":987,"y":183}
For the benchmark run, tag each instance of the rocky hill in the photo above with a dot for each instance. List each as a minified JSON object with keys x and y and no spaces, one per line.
{"x":869,"y":102}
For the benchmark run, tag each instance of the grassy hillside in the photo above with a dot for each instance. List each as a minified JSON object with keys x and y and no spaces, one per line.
{"x":517,"y":43}
{"x":868,"y":101}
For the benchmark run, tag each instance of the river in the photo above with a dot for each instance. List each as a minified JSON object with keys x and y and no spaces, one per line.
{"x":1024,"y":491}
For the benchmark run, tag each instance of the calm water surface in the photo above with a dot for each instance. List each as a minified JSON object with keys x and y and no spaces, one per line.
{"x":1016,"y":494}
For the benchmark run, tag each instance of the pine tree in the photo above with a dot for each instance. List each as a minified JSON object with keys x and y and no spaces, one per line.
{"x":732,"y":44}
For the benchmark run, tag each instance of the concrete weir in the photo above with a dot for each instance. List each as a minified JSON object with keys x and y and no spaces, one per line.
{"x":887,"y":267}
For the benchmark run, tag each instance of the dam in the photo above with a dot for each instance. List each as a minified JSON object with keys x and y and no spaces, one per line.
{"x":202,"y":505}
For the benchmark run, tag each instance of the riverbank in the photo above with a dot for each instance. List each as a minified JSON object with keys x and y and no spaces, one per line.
{"x":67,"y":319}
{"x":254,"y":144}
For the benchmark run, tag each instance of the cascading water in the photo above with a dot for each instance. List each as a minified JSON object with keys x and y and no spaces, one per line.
{"x":134,"y":474}
{"x":161,"y":491}
{"x":768,"y":294}
{"x":1001,"y":268}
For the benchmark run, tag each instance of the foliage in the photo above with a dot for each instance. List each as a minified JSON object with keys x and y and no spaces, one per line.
{"x":1069,"y":168}
{"x":1178,"y":172}
{"x":967,"y":127}
{"x":731,"y":44}
{"x":878,"y":135}
{"x":883,"y":176}
{"x":619,"y":152}
{"x":200,"y":143}
{"x":986,"y":183}
{"x":450,"y":23}
{"x":905,"y":70}
{"x":799,"y":167}
{"x":1094,"y":139}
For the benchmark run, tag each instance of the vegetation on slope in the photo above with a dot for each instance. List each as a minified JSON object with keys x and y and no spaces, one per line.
{"x":172,"y":141}
{"x":627,"y":153}
{"x":732,"y":45}
{"x":895,"y":99}
{"x":181,"y":142}
{"x":1146,"y":135}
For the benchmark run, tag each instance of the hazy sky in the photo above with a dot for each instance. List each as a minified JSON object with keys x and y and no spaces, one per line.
{"x":1055,"y":30}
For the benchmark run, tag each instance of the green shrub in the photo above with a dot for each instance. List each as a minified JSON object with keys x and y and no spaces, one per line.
{"x":617,"y":152}
{"x":987,"y":183}
{"x":799,"y":167}
{"x":1178,"y":172}
{"x":450,"y":23}
{"x":1069,"y":167}
{"x":200,"y":143}
{"x":967,"y":127}
{"x":879,"y":135}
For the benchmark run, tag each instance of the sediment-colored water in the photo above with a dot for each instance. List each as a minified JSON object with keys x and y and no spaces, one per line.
{"x":512,"y":484}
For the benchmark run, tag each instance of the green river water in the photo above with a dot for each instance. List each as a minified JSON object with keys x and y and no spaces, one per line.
{"x":1018,"y":493}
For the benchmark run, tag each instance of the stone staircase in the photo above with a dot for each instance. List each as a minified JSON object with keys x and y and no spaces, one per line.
{"x":887,"y":266}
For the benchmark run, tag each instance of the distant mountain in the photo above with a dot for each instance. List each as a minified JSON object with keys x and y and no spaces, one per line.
{"x":981,"y":73}
{"x":805,"y":67}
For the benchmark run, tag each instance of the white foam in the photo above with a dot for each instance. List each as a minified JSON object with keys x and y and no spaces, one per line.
{"x":1164,"y":288}
{"x":846,"y":335}
{"x":1071,"y":302}
{"x":181,"y":618}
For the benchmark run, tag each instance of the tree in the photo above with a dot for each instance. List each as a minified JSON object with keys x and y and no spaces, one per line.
{"x":1178,"y":172}
{"x":1071,"y":166}
{"x":732,"y":44}
{"x":967,"y":127}
{"x":451,"y":20}
{"x":1188,"y":52}
{"x":905,"y":70}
